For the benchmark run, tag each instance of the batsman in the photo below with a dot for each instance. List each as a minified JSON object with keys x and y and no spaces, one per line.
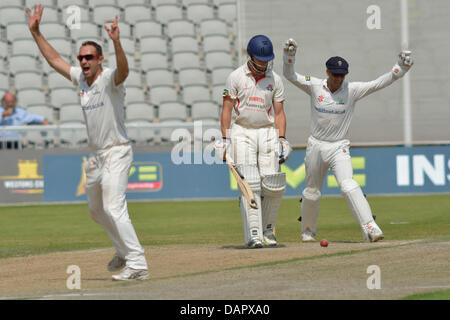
{"x":253,"y":107}
{"x":332,"y":106}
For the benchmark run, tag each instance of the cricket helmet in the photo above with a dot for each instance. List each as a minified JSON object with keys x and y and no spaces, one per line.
{"x":261,"y":48}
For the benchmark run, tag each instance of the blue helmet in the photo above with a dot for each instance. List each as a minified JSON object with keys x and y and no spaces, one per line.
{"x":261,"y":48}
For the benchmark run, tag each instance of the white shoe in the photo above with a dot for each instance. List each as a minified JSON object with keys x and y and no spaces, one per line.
{"x":269,"y":238}
{"x":308,"y":236}
{"x":131,"y":274}
{"x":117,"y":263}
{"x":372,"y":232}
{"x":255,"y":244}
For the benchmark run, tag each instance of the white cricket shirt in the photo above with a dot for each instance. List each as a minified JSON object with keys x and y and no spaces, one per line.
{"x":254,"y":96}
{"x":332,"y":112}
{"x":103,"y":108}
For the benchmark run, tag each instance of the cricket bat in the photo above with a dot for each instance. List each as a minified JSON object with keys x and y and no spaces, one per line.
{"x":242,"y":183}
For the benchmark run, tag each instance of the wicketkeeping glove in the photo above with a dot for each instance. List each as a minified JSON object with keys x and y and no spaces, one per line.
{"x":405,"y":60}
{"x":285,"y":150}
{"x":290,"y":47}
{"x":221,"y":148}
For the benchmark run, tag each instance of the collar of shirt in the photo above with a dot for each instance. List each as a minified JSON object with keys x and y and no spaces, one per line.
{"x":247,"y":71}
{"x":325,"y":86}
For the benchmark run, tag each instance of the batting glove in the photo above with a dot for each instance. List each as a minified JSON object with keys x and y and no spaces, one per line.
{"x":221,"y":148}
{"x":405,"y":60}
{"x":290,"y":47}
{"x":285,"y":150}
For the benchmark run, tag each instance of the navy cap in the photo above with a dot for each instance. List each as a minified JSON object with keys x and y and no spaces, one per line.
{"x":337,"y":65}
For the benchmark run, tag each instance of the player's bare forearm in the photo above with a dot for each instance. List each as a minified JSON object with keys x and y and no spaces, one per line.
{"x":280,"y":118}
{"x":225,"y":119}
{"x":49,"y":53}
{"x":122,"y":63}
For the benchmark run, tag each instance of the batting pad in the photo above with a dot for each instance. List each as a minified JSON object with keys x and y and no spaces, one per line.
{"x":310,"y":209}
{"x":357,"y":202}
{"x":251,"y":218}
{"x":272,"y":190}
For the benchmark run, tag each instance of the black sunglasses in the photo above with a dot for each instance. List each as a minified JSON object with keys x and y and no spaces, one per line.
{"x":88,"y":57}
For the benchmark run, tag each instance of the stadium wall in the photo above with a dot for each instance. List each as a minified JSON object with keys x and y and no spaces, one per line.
{"x":32,"y":176}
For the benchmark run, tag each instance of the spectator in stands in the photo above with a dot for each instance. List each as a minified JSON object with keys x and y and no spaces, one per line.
{"x":15,"y":116}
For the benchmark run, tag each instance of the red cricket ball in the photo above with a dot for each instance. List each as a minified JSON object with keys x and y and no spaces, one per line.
{"x":324,"y":243}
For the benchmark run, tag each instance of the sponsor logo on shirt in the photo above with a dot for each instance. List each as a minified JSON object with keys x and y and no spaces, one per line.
{"x":322,"y":110}
{"x":257,"y":99}
{"x":93,"y":106}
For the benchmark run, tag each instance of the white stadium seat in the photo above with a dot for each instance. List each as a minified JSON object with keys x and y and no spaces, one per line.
{"x":163,"y":93}
{"x":220,"y":74}
{"x":103,"y":13}
{"x":153,"y":43}
{"x":186,"y":59}
{"x":184,"y":43}
{"x":159,"y":76}
{"x":53,"y":29}
{"x":25,"y":46}
{"x":195,"y":92}
{"x":172,"y":110}
{"x":62,"y":45}
{"x":147,"y":28}
{"x":71,"y":112}
{"x":135,"y":12}
{"x":29,"y":96}
{"x":197,"y":12}
{"x":17,"y":30}
{"x":127,"y":43}
{"x":134,"y":94}
{"x":22,"y":62}
{"x":166,"y":12}
{"x":62,"y":95}
{"x":44,"y":110}
{"x":180,"y":27}
{"x":216,"y":42}
{"x":27,"y":79}
{"x":134,"y":78}
{"x":87,"y":29}
{"x":189,"y":76}
{"x":152,"y":60}
{"x":140,"y":110}
{"x":139,"y":135}
{"x":12,"y":14}
{"x":213,"y":26}
{"x":219,"y":58}
{"x":227,"y":11}
{"x":204,"y":110}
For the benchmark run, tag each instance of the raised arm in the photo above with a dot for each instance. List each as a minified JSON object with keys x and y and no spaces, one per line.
{"x":49,"y":53}
{"x":300,"y":81}
{"x":360,"y":90}
{"x":121,"y":59}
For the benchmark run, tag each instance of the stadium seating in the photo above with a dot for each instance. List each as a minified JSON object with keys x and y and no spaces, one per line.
{"x":204,"y":110}
{"x":172,"y":48}
{"x":163,"y":93}
{"x":27,"y":79}
{"x":29,"y":96}
{"x":159,"y":76}
{"x":196,"y":12}
{"x":228,"y":11}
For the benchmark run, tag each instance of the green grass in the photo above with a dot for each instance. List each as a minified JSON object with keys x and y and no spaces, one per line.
{"x":435,"y":295}
{"x":26,"y":230}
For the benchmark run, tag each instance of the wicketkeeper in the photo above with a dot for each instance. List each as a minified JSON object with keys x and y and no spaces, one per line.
{"x":332,"y":106}
{"x":253,"y":99}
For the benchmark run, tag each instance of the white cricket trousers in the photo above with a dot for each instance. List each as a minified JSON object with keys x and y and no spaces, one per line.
{"x":106,"y":183}
{"x":320,"y":156}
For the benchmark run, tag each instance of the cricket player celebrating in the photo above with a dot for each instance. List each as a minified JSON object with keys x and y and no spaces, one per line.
{"x":102,"y":95}
{"x":254,"y":98}
{"x":332,"y":106}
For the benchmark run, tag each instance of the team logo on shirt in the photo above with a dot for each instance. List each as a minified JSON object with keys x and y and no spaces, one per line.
{"x":341,"y":100}
{"x":225,"y":92}
{"x":270,"y":88}
{"x":308,"y":78}
{"x":320,"y":98}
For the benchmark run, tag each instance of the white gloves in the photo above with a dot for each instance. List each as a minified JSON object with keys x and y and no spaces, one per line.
{"x":290,"y":47}
{"x":403,"y":64}
{"x":404,"y":59}
{"x":221,"y":148}
{"x":285,"y":150}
